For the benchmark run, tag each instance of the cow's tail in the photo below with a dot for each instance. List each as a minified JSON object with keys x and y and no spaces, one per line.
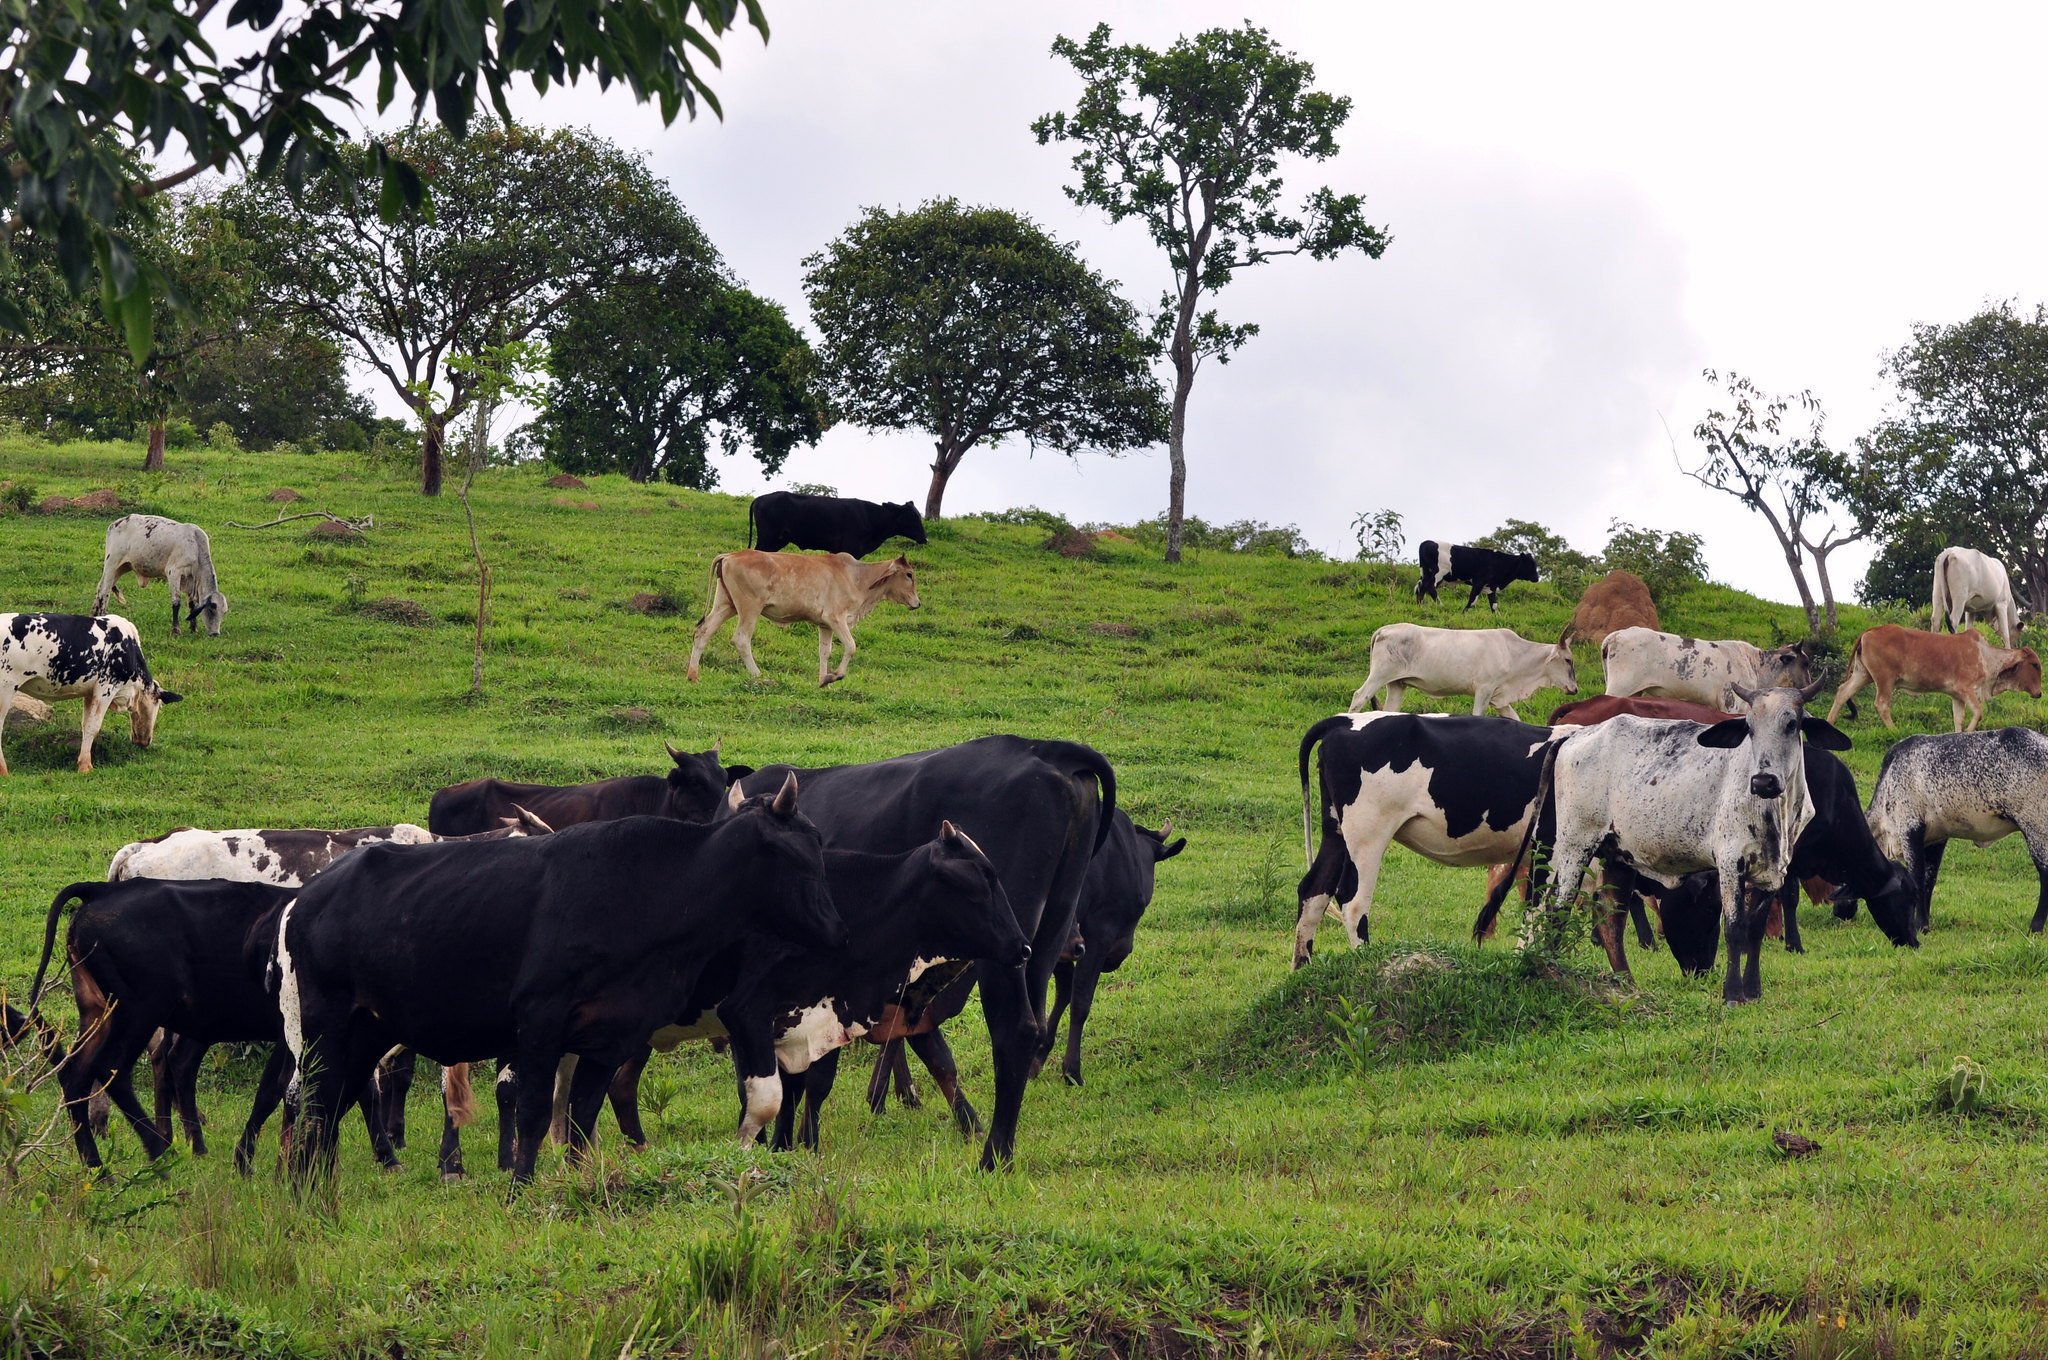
{"x":458,"y":1095}
{"x":1545,"y":791}
{"x":1086,"y":760}
{"x":81,"y":892}
{"x":751,"y":521}
{"x":1939,"y":621}
{"x":1309,"y":742}
{"x":1855,"y":660}
{"x":717,"y":584}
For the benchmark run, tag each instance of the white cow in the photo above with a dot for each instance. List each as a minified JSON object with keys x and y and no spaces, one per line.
{"x":70,"y":656}
{"x":159,"y":549}
{"x":1669,"y":798}
{"x":1496,"y":666}
{"x":286,"y":858}
{"x":1970,"y":584}
{"x":1643,"y":661}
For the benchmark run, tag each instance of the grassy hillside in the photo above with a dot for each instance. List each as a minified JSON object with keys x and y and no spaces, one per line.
{"x":1474,"y":1161}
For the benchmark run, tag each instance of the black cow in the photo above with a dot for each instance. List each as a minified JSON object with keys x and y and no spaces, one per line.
{"x":1033,"y":806}
{"x":832,"y":524}
{"x":185,"y":956}
{"x":1119,"y":889}
{"x":904,"y":914}
{"x":691,"y":792}
{"x":1835,"y":846}
{"x":1483,"y":569}
{"x":583,"y":942}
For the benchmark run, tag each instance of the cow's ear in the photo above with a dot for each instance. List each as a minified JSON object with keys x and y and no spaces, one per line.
{"x":1168,"y":851}
{"x":164,"y":696}
{"x":1725,"y":736}
{"x":1824,"y":734}
{"x":735,"y":795}
{"x":735,"y":773}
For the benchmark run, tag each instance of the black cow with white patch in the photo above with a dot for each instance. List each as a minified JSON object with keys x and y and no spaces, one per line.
{"x":1040,"y":809}
{"x":829,"y":524}
{"x":691,"y":792}
{"x":1455,"y":789}
{"x":1971,"y":786}
{"x":583,"y":942}
{"x":1119,"y":888}
{"x":1486,"y":570}
{"x":97,"y":658}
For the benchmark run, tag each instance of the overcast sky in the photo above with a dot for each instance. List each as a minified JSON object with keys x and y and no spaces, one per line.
{"x":1587,"y":208}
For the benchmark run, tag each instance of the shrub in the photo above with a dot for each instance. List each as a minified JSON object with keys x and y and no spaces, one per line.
{"x":812,"y":489}
{"x":180,"y":433}
{"x":285,"y":446}
{"x":1251,"y":536}
{"x":1670,"y":564}
{"x":221,"y":435}
{"x":1029,"y":516}
{"x":1379,"y":535}
{"x":19,"y":496}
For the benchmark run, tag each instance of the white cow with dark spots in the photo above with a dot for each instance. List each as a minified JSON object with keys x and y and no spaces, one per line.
{"x":1498,"y":667}
{"x":1643,"y":661}
{"x":1969,"y":786}
{"x":73,"y":656}
{"x":159,"y":549}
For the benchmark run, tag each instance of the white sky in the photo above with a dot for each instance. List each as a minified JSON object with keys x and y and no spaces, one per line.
{"x":1588,"y":204}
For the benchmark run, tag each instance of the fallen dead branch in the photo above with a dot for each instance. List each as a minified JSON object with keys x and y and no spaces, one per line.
{"x":367,"y":522}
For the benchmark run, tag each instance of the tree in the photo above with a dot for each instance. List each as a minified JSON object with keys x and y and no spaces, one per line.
{"x":1768,"y":453}
{"x":973,"y":325}
{"x":88,"y":88}
{"x":523,"y":224}
{"x":273,"y":382}
{"x":651,"y":372}
{"x":1189,"y":142}
{"x":1667,"y":563}
{"x":1968,"y":445}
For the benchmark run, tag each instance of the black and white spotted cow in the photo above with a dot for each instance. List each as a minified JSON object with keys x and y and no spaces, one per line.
{"x":1972,"y":786}
{"x":1664,"y":799}
{"x":1486,"y":570}
{"x":1458,"y":790}
{"x":97,"y":658}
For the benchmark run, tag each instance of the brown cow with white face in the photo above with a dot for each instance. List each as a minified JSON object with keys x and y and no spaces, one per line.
{"x":832,"y":592}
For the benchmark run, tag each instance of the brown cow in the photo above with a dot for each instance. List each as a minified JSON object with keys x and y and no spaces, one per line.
{"x":831,"y":591}
{"x":1965,"y":667}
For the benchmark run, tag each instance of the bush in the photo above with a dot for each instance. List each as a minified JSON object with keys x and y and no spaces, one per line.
{"x":1251,"y":536}
{"x":1670,"y":564}
{"x":1029,"y":516}
{"x":19,"y":496}
{"x":180,"y":433}
{"x":812,"y":489}
{"x":221,"y":435}
{"x":285,"y":446}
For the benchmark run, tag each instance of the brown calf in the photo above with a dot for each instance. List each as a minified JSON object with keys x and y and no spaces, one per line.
{"x":833,"y":591}
{"x":1965,"y":667}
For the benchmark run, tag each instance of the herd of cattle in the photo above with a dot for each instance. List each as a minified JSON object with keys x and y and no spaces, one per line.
{"x":569,"y":932}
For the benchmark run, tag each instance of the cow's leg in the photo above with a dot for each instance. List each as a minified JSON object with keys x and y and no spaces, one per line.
{"x":533,"y":1107}
{"x":587,"y":1090}
{"x":97,"y":701}
{"x":1006,"y":1005}
{"x":506,"y":1088}
{"x":1752,"y":964}
{"x":1493,"y":599}
{"x":1322,"y":880}
{"x":1087,"y":973}
{"x":1884,"y":703}
{"x":1931,"y":870}
{"x":161,"y":1088}
{"x":1062,"y":987}
{"x":1735,"y":929}
{"x":174,"y":610}
{"x":743,"y":642}
{"x":1851,"y":685}
{"x":1364,"y":697}
{"x":1607,"y":928}
{"x":110,"y":584}
{"x":1788,"y":905}
{"x":1366,"y":851}
{"x":1567,"y":873}
{"x":395,"y":1073}
{"x":707,"y":627}
{"x":341,"y":1061}
{"x":108,"y":1046}
{"x":937,"y":1056}
{"x":6,"y":707}
{"x":754,"y":1068}
{"x":844,"y":632}
{"x":794,"y":1088}
{"x":886,"y":1059}
{"x":625,"y":1097}
{"x":817,"y":1086}
{"x":899,"y":1071}
{"x":824,"y":656}
{"x":270,"y":1086}
{"x":1473,"y":598}
{"x":183,"y":1063}
{"x":558,"y":1101}
{"x":458,"y":1107}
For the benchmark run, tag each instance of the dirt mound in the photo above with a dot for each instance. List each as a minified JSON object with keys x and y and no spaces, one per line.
{"x":562,"y":481}
{"x":392,"y":609}
{"x":1070,"y":542}
{"x":1113,"y":629}
{"x":570,"y":503}
{"x":335,"y":531}
{"x":647,"y":602}
{"x":1617,"y":600}
{"x":106,"y":498}
{"x":285,"y":494}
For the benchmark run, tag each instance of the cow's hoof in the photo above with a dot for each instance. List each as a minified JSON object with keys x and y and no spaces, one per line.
{"x":453,"y":1177}
{"x":1072,"y":1075}
{"x":965,"y":1119}
{"x":1037,"y":1066}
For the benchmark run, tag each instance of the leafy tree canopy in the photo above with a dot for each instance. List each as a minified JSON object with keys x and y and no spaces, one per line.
{"x":973,"y":325}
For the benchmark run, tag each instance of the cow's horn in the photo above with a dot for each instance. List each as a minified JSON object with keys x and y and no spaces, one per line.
{"x":1744,"y":692}
{"x":735,"y":795}
{"x":527,"y":816}
{"x":673,"y":753}
{"x":1806,"y":692}
{"x":785,"y":797}
{"x":716,"y":742}
{"x":1167,"y":830}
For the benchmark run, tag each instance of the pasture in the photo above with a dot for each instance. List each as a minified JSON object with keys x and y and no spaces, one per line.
{"x":1419,"y":1149}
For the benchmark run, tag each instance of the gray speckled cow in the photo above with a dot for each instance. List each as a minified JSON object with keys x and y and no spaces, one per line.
{"x":1973,"y":786}
{"x":159,"y":549}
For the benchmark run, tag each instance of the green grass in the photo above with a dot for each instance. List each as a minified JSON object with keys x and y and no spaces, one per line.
{"x":1472,"y":1156}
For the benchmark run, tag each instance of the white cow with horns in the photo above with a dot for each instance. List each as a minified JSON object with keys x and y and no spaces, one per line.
{"x":1498,"y":667}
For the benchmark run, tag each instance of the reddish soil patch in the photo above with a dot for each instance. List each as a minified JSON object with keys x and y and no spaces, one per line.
{"x":1072,"y":543}
{"x":285,"y":494}
{"x":646,"y":602}
{"x":562,"y":481}
{"x":335,"y":529}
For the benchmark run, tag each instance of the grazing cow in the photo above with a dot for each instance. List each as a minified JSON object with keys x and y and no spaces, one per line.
{"x":1616,"y":601}
{"x":1483,"y":569}
{"x":73,"y":656}
{"x":829,"y":524}
{"x":146,"y":955}
{"x":1973,"y":786}
{"x":1034,"y":807}
{"x":1965,"y":667}
{"x":583,"y":942}
{"x":1454,"y":789}
{"x":1665,"y":799}
{"x":1496,"y":666}
{"x":791,"y":1011}
{"x":1643,"y":661}
{"x":1969,"y":584}
{"x":159,"y":549}
{"x":834,"y":593}
{"x":691,"y":792}
{"x":1119,"y":888}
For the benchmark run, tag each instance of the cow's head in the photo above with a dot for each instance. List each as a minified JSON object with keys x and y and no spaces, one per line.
{"x":905,"y":522}
{"x":213,"y":609}
{"x":1773,"y":729}
{"x":2021,"y":671}
{"x":1895,"y":906}
{"x":698,"y":783}
{"x":144,"y":704}
{"x":1787,"y":667}
{"x":781,"y":864}
{"x":1522,"y":567}
{"x":1558,"y":669}
{"x":1116,"y":927}
{"x":524,"y":823}
{"x":962,"y":910}
{"x":899,"y":583}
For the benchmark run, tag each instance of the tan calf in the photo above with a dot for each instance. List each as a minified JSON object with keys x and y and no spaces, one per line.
{"x":1965,"y":667}
{"x":833,"y":591}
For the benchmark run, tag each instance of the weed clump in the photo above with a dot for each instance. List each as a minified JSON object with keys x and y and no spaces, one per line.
{"x":392,"y":609}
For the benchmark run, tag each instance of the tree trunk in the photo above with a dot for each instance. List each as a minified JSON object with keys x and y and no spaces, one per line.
{"x":1827,"y":589}
{"x":1176,"y":449}
{"x":1799,"y":579}
{"x":153,"y":461}
{"x":430,"y":454}
{"x":943,"y":467}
